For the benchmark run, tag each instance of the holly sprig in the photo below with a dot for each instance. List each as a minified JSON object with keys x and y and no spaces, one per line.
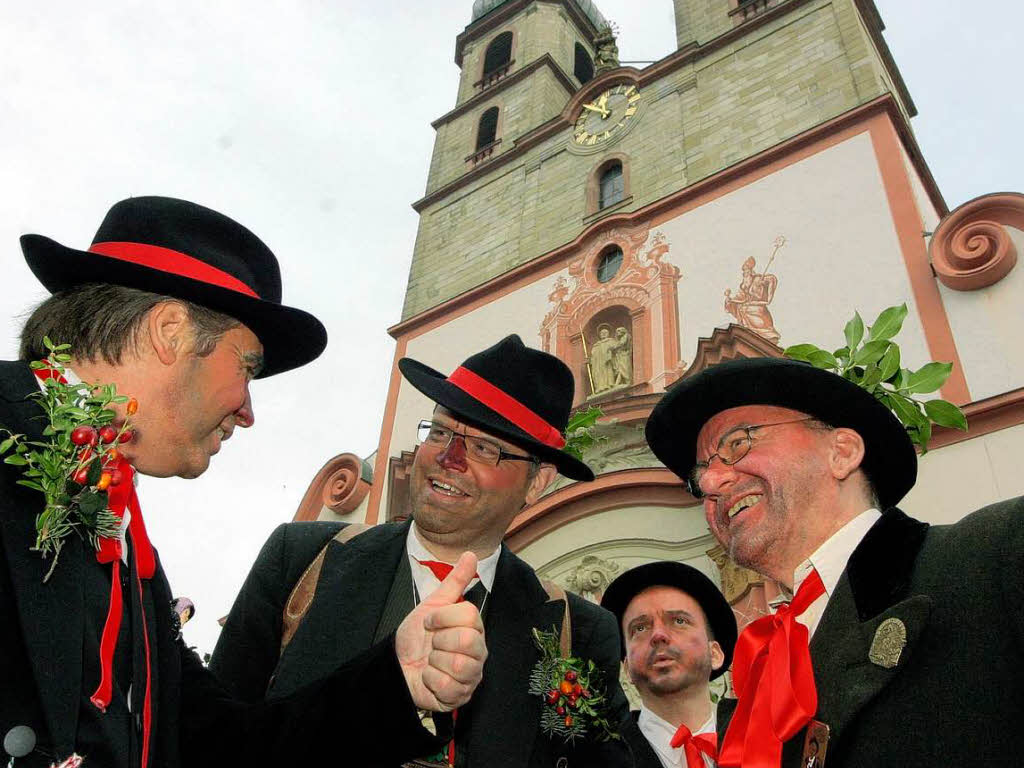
{"x":873,"y":362}
{"x":572,"y":690}
{"x":579,"y":432}
{"x":75,"y":465}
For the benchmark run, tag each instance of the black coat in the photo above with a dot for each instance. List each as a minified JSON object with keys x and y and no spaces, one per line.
{"x":643,"y":753}
{"x":350,"y":598}
{"x":196,"y":722}
{"x":956,"y":695}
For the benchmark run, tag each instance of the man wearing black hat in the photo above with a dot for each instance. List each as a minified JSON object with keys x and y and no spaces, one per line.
{"x":902,"y":642}
{"x":179,"y":307}
{"x":490,"y":448}
{"x":678,"y":634}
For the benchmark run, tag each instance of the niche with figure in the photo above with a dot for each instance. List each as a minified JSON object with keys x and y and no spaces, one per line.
{"x":608,"y":359}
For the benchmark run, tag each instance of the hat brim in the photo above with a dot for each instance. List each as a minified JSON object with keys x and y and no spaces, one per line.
{"x":672,"y":429}
{"x":290,"y":337}
{"x":687,"y":579}
{"x":435,"y":385}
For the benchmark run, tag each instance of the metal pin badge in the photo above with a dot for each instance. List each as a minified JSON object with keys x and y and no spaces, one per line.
{"x":887,"y":646}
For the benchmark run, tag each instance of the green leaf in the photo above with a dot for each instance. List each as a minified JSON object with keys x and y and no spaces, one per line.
{"x":15,"y":460}
{"x":822,"y":359}
{"x":801,"y":351}
{"x":872,"y":376}
{"x":63,"y":358}
{"x":854,"y":331}
{"x":48,"y":344}
{"x":890,"y":363}
{"x":888,"y":323}
{"x":5,"y":446}
{"x":945,"y":414}
{"x":95,"y":470}
{"x":90,"y":504}
{"x":843,"y":353}
{"x":871,"y":352}
{"x":30,"y":484}
{"x":906,"y":410}
{"x":928,"y":378}
{"x":921,"y":435}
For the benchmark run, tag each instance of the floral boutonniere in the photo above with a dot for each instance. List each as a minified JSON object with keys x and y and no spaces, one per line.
{"x":574,"y":697}
{"x":76,"y":462}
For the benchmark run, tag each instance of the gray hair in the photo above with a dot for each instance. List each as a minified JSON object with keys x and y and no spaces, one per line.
{"x":100,"y":320}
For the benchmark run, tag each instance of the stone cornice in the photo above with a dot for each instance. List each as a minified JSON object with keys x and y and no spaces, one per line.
{"x":503,"y":13}
{"x":875,"y":25}
{"x":503,"y":84}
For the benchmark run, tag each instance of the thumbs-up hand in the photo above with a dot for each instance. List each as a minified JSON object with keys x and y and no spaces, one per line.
{"x":440,"y":645}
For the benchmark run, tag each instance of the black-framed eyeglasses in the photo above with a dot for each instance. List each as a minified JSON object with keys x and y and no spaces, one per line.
{"x":478,"y":449}
{"x":731,"y":448}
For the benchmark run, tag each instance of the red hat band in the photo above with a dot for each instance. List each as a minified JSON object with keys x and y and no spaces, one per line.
{"x":506,"y":406}
{"x":174,"y":262}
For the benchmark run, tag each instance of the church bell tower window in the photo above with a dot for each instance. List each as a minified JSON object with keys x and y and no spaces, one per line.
{"x":584,"y":67}
{"x":609,"y":263}
{"x":488,"y":129}
{"x":611,"y":185}
{"x":497,"y":60}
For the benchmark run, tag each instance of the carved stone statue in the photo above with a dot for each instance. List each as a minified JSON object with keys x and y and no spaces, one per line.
{"x":606,"y":52}
{"x":602,"y":352}
{"x":622,"y":358}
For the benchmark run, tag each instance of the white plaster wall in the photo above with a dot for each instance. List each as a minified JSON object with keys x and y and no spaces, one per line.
{"x":929,"y":216}
{"x":988,"y":327}
{"x":841,"y":254}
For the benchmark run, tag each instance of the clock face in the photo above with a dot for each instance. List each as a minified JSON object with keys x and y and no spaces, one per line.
{"x":606,"y":115}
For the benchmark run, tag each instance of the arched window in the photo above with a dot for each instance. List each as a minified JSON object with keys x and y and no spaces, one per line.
{"x":488,"y":129}
{"x":609,"y":263}
{"x":611,"y":186}
{"x":584,"y":68}
{"x":499,"y":53}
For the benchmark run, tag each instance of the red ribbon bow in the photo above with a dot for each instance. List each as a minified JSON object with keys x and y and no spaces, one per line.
{"x":774,"y":682}
{"x":694,"y":746}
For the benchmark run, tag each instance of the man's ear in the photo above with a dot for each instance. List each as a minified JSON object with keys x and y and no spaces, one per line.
{"x":542,"y":478}
{"x":847,"y":452}
{"x":168,"y":331}
{"x":717,"y":656}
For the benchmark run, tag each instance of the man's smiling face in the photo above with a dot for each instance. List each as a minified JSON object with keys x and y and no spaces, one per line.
{"x":761,"y":508}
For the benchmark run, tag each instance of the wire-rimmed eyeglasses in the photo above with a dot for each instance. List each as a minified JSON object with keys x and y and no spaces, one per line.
{"x":478,"y":449}
{"x":731,"y":448}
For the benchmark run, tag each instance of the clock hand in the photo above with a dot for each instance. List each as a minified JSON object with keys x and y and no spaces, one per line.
{"x":599,"y":110}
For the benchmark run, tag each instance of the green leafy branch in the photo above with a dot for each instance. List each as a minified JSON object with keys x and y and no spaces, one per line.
{"x":73,"y":467}
{"x":874,"y":364}
{"x":580,"y":434}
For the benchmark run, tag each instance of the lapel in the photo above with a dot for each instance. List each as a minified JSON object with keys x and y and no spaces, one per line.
{"x":501,"y":704}
{"x":50,"y":614}
{"x":346,"y":608}
{"x":874,"y":588}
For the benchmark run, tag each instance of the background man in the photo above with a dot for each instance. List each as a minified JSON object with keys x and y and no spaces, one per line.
{"x":179,"y":307}
{"x":491,"y":448}
{"x":915,"y":654}
{"x":678,"y":634}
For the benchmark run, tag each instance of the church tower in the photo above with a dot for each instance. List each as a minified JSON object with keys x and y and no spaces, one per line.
{"x":748,"y":191}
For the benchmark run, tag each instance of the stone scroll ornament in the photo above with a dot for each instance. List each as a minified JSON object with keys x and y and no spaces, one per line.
{"x":873,"y":362}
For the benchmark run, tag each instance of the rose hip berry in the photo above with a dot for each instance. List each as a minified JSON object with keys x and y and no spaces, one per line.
{"x":565,"y":687}
{"x":132,"y":407}
{"x":108,"y":434}
{"x":83,"y":435}
{"x":568,"y":721}
{"x":81,"y":476}
{"x":126,"y":436}
{"x":552,"y":697}
{"x":571,"y":676}
{"x":104,"y":482}
{"x":560,"y":710}
{"x":116,"y":476}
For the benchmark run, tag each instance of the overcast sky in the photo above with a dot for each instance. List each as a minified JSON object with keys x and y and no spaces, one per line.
{"x":309,"y":122}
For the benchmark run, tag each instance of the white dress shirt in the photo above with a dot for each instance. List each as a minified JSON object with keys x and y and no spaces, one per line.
{"x":660,"y":732}
{"x":829,"y":560}
{"x":425,"y":580}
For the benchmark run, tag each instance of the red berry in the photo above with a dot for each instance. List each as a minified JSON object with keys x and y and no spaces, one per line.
{"x":83,"y":435}
{"x":111,"y":456}
{"x":107,"y":434}
{"x":81,"y":476}
{"x":116,"y":477}
{"x":571,"y":676}
{"x":552,"y":697}
{"x":560,"y":710}
{"x":574,"y":701}
{"x":132,"y":407}
{"x":85,"y":455}
{"x":126,"y":436}
{"x":568,"y":721}
{"x":577,"y":689}
{"x":104,"y":482}
{"x":585,"y":694}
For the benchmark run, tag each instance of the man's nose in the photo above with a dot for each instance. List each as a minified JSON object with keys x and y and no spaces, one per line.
{"x":244,"y":416}
{"x":454,"y":455}
{"x":717,"y":477}
{"x":659,"y":635}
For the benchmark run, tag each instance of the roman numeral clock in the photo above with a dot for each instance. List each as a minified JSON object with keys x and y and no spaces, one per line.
{"x":607,"y":116}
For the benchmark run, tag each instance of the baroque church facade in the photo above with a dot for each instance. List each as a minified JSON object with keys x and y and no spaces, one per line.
{"x":747,"y":192}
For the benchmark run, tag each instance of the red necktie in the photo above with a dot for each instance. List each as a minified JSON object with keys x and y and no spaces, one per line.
{"x":121,"y":497}
{"x":774,"y":682}
{"x":694,"y":746}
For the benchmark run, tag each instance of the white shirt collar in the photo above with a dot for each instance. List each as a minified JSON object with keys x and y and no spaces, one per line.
{"x":424,"y":578}
{"x":830,"y":559}
{"x":659,"y":733}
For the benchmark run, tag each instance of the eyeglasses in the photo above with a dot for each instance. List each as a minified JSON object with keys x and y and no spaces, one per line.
{"x":478,"y":449}
{"x":731,"y":448}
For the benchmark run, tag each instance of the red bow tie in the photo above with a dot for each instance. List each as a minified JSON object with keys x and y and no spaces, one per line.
{"x":695,"y":746}
{"x":774,"y":682}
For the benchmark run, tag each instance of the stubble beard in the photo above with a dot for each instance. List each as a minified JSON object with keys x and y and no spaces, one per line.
{"x":697,"y":672}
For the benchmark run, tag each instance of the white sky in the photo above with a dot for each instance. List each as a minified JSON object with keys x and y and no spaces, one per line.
{"x":309,"y":122}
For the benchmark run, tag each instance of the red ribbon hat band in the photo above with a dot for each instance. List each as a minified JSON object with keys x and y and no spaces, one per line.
{"x":174,"y":262}
{"x":506,"y":406}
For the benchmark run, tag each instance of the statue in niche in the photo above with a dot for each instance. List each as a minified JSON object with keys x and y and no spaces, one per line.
{"x":606,"y":52}
{"x":750,"y":303}
{"x":602,"y":360}
{"x":622,"y":358}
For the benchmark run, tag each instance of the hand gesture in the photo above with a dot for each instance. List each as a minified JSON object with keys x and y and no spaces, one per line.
{"x":440,"y":645}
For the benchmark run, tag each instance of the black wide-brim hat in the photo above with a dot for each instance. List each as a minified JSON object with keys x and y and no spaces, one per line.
{"x":183,"y":250}
{"x":511,"y":391}
{"x":685,"y":578}
{"x":890,"y":461}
